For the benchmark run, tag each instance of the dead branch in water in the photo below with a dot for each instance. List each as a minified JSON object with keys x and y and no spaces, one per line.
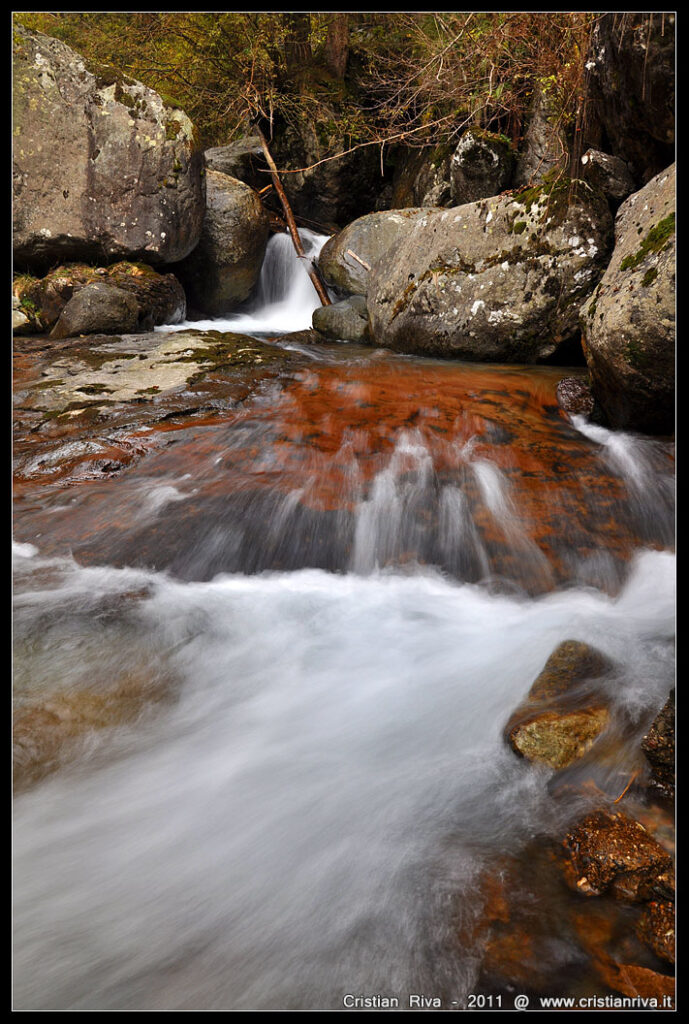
{"x":292,"y":226}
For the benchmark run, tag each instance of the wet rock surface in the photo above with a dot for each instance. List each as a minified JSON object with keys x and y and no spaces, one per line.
{"x":311,"y":439}
{"x":659,"y":747}
{"x":656,"y":928}
{"x":574,"y":396}
{"x":613,"y":852}
{"x":534,"y":936}
{"x":563,"y":714}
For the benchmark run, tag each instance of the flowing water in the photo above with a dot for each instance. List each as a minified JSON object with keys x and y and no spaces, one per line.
{"x":331,"y":597}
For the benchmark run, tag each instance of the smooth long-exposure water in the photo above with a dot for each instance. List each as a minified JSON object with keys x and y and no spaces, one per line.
{"x":322,"y":608}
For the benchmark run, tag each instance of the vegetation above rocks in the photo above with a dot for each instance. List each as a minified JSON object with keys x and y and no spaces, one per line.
{"x":358,"y":77}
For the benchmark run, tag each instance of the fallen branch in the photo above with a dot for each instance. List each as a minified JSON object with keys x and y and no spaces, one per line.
{"x":291,"y":224}
{"x":633,"y":776}
{"x":363,"y":263}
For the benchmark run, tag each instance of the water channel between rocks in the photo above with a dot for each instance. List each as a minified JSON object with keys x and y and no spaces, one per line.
{"x":280,"y":628}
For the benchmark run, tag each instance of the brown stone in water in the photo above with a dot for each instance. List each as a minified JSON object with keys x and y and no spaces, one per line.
{"x":638,"y":982}
{"x":557,"y":739}
{"x":659,"y":747}
{"x":656,"y":928}
{"x":546,"y":727}
{"x":575,"y":396}
{"x":46,"y":733}
{"x":615,"y":853}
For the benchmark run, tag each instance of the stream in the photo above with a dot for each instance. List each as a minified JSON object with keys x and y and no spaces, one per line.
{"x":323,"y":603}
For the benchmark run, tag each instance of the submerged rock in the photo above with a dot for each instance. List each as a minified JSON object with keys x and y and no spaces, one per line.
{"x":656,"y":928}
{"x":562,"y":716}
{"x":659,"y":747}
{"x":47,"y":733}
{"x":224,"y":267}
{"x":629,"y":323}
{"x":613,"y":853}
{"x":98,"y":372}
{"x":103,"y":168}
{"x":499,"y":280}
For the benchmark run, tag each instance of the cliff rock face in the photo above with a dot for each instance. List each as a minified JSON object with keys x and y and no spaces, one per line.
{"x":631,"y":65}
{"x":499,"y":280}
{"x":629,"y":324}
{"x":102,"y":168}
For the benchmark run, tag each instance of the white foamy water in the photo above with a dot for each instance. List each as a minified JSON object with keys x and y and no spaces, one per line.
{"x":285,"y":297}
{"x":278,"y":837}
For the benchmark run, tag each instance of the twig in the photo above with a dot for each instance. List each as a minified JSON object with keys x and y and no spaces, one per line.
{"x":631,"y":779}
{"x":363,"y":263}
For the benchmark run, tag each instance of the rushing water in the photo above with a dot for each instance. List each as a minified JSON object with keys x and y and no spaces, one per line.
{"x":340,"y":617}
{"x":285,"y":297}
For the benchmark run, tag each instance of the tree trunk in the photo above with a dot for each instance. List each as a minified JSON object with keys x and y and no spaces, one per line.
{"x":337,"y":44}
{"x":297,"y":41}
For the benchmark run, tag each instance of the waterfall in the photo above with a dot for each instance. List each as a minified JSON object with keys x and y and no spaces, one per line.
{"x":285,"y":297}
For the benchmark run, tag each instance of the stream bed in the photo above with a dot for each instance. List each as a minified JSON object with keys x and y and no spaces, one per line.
{"x":269,"y":626}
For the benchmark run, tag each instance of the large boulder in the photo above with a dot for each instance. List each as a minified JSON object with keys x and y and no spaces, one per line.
{"x":499,"y":280}
{"x":631,"y":66}
{"x":369,"y":238}
{"x":224,"y":267}
{"x":629,"y":324}
{"x":103,"y":169}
